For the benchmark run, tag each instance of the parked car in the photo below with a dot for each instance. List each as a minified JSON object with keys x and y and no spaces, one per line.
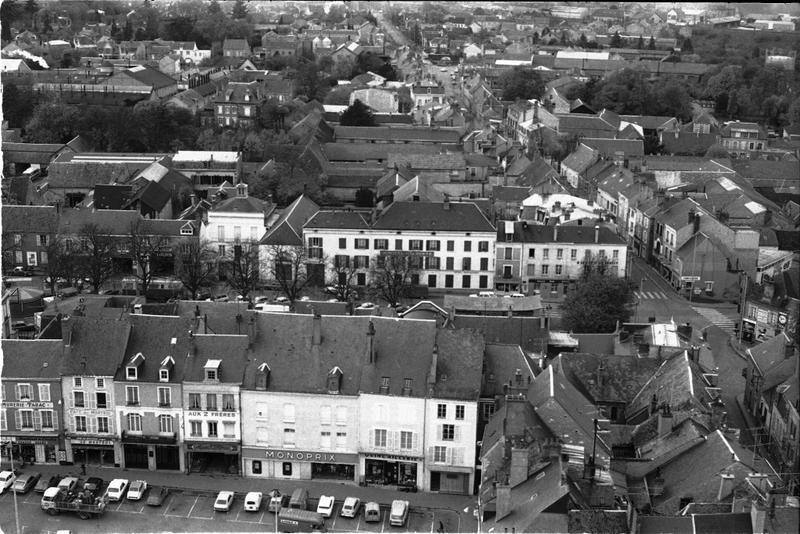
{"x":7,"y":478}
{"x":93,"y":484}
{"x":26,"y":482}
{"x":350,"y":507}
{"x":252,"y":501}
{"x":366,"y":306}
{"x":224,"y":501}
{"x":277,"y":500}
{"x":68,"y":484}
{"x":137,"y":490}
{"x":261,"y":299}
{"x":157,"y":495}
{"x":282,"y":300}
{"x":399,"y":513}
{"x":19,"y":270}
{"x":372,"y":512}
{"x":221,"y":298}
{"x":326,"y":504}
{"x":45,"y":483}
{"x":116,"y":489}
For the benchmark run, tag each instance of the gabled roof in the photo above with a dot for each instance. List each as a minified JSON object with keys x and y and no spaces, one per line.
{"x":115,"y":222}
{"x":433,"y":216}
{"x":610,"y":147}
{"x":235,"y":44}
{"x":769,"y":353}
{"x":238,"y":204}
{"x":606,"y":378}
{"x":96,"y":346}
{"x":677,"y":382}
{"x":537,"y":233}
{"x":394,"y":178}
{"x":32,"y":358}
{"x":450,"y":161}
{"x":417,"y":190}
{"x":111,"y":196}
{"x":502,"y":361}
{"x":581,"y":159}
{"x":459,"y":365}
{"x":288,"y":229}
{"x":150,"y":76}
{"x":29,"y":219}
{"x":337,"y":220}
{"x":230,"y":350}
{"x":151,"y":336}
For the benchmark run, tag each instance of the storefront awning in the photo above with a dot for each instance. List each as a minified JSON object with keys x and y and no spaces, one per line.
{"x":163,"y":439}
{"x":204,"y":446}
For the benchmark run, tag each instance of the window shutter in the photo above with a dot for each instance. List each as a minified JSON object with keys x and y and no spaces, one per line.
{"x":44,"y":392}
{"x":37,"y":420}
{"x":19,"y":394}
{"x":457,"y":434}
{"x":431,"y":454}
{"x":515,"y":253}
{"x":390,"y":439}
{"x":55,"y":420}
{"x":414,"y":440}
{"x":372,"y":438}
{"x":18,"y":419}
{"x":440,"y":430}
{"x":92,"y":425}
{"x":457,"y":457}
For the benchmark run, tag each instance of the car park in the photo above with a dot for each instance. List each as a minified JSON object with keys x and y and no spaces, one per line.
{"x":223,"y":501}
{"x":252,"y":501}
{"x":157,"y":495}
{"x":350,"y":507}
{"x":299,"y":500}
{"x":372,"y":512}
{"x":277,"y":500}
{"x":68,"y":484}
{"x":137,"y":490}
{"x":45,"y":483}
{"x":7,"y":478}
{"x":25,"y":482}
{"x":325,"y":505}
{"x":116,"y":489}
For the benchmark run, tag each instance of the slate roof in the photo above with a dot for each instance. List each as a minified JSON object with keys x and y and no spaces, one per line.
{"x":618,"y":180}
{"x":609,"y":147}
{"x":32,"y":358}
{"x":687,"y":163}
{"x":394,"y":178}
{"x":98,"y":343}
{"x":547,"y":485}
{"x":288,"y":229}
{"x":390,"y":133}
{"x":86,"y":174}
{"x":40,"y":153}
{"x":501,"y":193}
{"x":459,"y":365}
{"x":29,"y":219}
{"x":769,"y":353}
{"x":502,"y":362}
{"x":151,"y":335}
{"x":566,"y":233}
{"x":606,"y":378}
{"x":111,"y":196}
{"x":231,"y":349}
{"x":524,"y":331}
{"x":648,"y":122}
{"x":237,"y":204}
{"x":433,"y":216}
{"x":116,"y":222}
{"x":418,"y":191}
{"x":377,"y":151}
{"x":581,"y":159}
{"x":678,"y":382}
{"x":677,"y":215}
{"x":337,"y":220}
{"x":579,"y":123}
{"x":762,"y":173}
{"x":150,"y":76}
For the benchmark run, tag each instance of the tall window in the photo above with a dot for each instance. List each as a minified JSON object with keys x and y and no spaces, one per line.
{"x":212,"y":429}
{"x":559,"y":253}
{"x":24,"y":392}
{"x":102,"y":425}
{"x":211,"y":402}
{"x":44,"y":392}
{"x":132,"y":395}
{"x":164,"y":397}
{"x":440,"y":454}
{"x":467,"y":246}
{"x":78,"y":397}
{"x":546,"y":254}
{"x":362,"y":244}
{"x":483,"y":246}
{"x":315,"y":247}
{"x":288,"y":413}
{"x":134,"y":422}
{"x":325,"y":440}
{"x":102,"y":399}
{"x":194,"y":401}
{"x":415,"y":244}
{"x":80,"y":423}
{"x":460,"y":412}
{"x":545,"y":269}
{"x":432,"y":244}
{"x":325,"y":415}
{"x":448,"y":432}
{"x":406,"y":439}
{"x":47,"y":419}
{"x":558,"y":269}
{"x":288,"y":437}
{"x":341,"y":440}
{"x":451,"y":245}
{"x":466,"y":264}
{"x":441,"y":411}
{"x":26,"y":418}
{"x":196,"y":429}
{"x":380,"y":437}
{"x":228,"y":404}
{"x":165,"y":423}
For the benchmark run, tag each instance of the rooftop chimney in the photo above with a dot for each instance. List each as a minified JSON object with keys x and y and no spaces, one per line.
{"x":725,"y":485}
{"x":193,"y":198}
{"x":316,"y":330}
{"x":596,"y":234}
{"x":758,"y":518}
{"x":664,"y":421}
{"x":691,"y":217}
{"x":434,"y":365}
{"x":503,"y":499}
{"x":696,"y":223}
{"x":518,"y":470}
{"x":66,"y":330}
{"x":371,"y":343}
{"x":555,"y":232}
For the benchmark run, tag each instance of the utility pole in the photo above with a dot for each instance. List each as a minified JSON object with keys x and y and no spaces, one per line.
{"x":14,"y":493}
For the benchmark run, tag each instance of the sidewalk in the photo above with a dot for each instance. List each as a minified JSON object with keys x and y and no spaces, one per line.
{"x":213,"y":483}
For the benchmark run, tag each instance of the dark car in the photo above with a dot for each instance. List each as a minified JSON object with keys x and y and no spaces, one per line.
{"x":45,"y":483}
{"x":26,"y":482}
{"x":277,"y":500}
{"x":157,"y":495}
{"x":93,"y":484}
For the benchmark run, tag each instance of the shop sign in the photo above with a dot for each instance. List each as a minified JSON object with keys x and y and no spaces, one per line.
{"x":690,"y":278}
{"x":782,"y":318}
{"x":230,"y":415}
{"x":33,"y":441}
{"x":308,"y":456}
{"x":27,"y":404}
{"x":762,"y":315}
{"x":392,"y":457}
{"x":92,"y":441}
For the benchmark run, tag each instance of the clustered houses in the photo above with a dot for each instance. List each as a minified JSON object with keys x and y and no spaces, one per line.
{"x":162,"y":393}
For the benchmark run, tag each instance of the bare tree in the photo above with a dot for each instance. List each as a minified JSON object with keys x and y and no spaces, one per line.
{"x":244,"y":267}
{"x":10,"y":248}
{"x":95,"y":254}
{"x":195,"y":264}
{"x":288,"y":268}
{"x":142,"y":249}
{"x":595,"y":264}
{"x":344,"y":278}
{"x":391,"y":274}
{"x":61,"y":263}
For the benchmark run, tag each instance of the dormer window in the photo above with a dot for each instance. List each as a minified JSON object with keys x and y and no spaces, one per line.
{"x":334,"y":380}
{"x":407,"y":386}
{"x":187,"y":229}
{"x":384,"y":389}
{"x":163,"y":375}
{"x":212,"y":370}
{"x":132,"y":369}
{"x":166,"y":366}
{"x":262,"y":376}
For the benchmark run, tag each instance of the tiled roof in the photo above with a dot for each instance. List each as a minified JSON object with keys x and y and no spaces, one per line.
{"x":460,"y":359}
{"x":39,"y":153}
{"x":566,"y":233}
{"x":769,"y":353}
{"x":606,"y":378}
{"x":32,"y":358}
{"x":678,"y":382}
{"x":96,"y":347}
{"x":433,"y":216}
{"x":688,"y":144}
{"x":609,"y":147}
{"x":417,"y":190}
{"x":337,"y":220}
{"x":24,"y":219}
{"x":581,"y":159}
{"x":576,"y":122}
{"x":377,"y":151}
{"x":151,"y":335}
{"x":288,"y":229}
{"x":235,"y":44}
{"x":239,"y":204}
{"x":526,"y":332}
{"x":501,"y":193}
{"x":231,"y":349}
{"x":389,"y":133}
{"x":687,"y":163}
{"x":115,"y":222}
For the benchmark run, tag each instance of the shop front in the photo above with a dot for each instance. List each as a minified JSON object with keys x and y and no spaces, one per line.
{"x":91,"y":451}
{"x":392,"y":470}
{"x":453,"y":480}
{"x":213,"y":457}
{"x":39,"y":449}
{"x":299,"y":464}
{"x":151,"y":452}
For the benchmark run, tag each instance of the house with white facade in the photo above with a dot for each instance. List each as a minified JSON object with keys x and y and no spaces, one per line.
{"x":449,"y":245}
{"x":93,"y":350}
{"x":550,"y":258}
{"x":426,"y":94}
{"x":207,"y":170}
{"x":549,"y":209}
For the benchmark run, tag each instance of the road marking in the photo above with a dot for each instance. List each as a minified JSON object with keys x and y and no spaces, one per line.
{"x":721,"y":321}
{"x":193,"y":505}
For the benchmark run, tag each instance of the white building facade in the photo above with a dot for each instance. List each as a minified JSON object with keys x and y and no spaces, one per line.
{"x":450,"y":437}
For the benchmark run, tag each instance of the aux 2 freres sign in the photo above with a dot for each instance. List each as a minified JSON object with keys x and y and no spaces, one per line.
{"x":227,"y":414}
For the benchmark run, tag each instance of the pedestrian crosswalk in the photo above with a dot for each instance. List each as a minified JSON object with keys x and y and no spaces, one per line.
{"x":644,"y":295}
{"x":718,"y":319}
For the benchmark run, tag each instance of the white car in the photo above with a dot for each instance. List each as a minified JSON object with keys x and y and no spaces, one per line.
{"x":282,"y":300}
{"x":224,"y":501}
{"x":137,"y":489}
{"x":116,"y":489}
{"x":325,"y":506}
{"x":350,"y":507}
{"x":7,"y":478}
{"x":252,"y":501}
{"x":366,"y":306}
{"x":68,"y":484}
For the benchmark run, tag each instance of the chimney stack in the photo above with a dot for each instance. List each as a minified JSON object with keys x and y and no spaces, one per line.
{"x":725,"y":485}
{"x":596,"y":234}
{"x":664,"y":421}
{"x":434,"y":365}
{"x":555,"y":233}
{"x":691,"y":217}
{"x":316,"y":330}
{"x":66,"y":330}
{"x":696,"y":223}
{"x":371,"y":343}
{"x":758,"y":518}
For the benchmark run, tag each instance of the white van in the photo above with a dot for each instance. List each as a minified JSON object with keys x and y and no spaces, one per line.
{"x":399,"y":513}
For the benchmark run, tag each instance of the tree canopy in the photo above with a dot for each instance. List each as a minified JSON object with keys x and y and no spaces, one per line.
{"x":597,"y":304}
{"x":358,"y":114}
{"x":522,"y":83}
